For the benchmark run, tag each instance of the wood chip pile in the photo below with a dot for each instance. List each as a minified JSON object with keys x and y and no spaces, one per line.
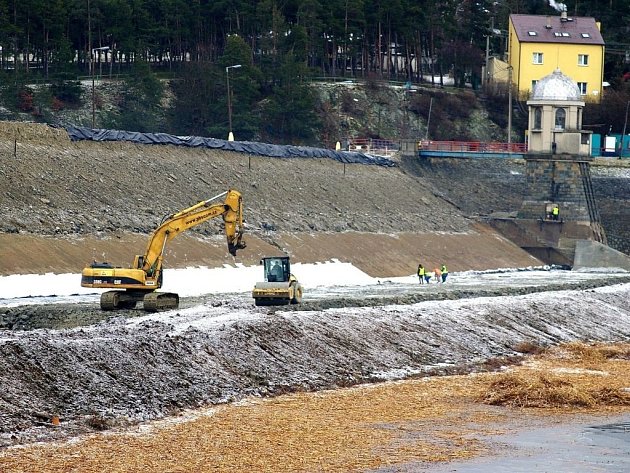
{"x":591,"y":376}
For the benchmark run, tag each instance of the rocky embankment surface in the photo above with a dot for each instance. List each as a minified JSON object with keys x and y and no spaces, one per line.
{"x":55,"y":187}
{"x":67,"y":203}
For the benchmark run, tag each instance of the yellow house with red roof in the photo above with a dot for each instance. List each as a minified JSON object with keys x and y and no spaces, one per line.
{"x":538,"y":45}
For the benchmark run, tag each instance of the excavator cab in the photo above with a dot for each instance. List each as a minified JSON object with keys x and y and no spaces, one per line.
{"x":280,"y":287}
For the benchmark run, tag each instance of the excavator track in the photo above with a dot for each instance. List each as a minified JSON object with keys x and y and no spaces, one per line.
{"x":115,"y":300}
{"x":109,"y":300}
{"x":155,"y":301}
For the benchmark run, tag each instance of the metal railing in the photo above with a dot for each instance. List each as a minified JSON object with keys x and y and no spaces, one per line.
{"x":379,"y":147}
{"x":472,"y":146}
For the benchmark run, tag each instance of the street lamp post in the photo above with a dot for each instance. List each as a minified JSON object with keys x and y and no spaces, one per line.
{"x":229,"y":100}
{"x":103,"y":48}
{"x":486,"y":72}
{"x":492,"y":31}
{"x":426,"y":135}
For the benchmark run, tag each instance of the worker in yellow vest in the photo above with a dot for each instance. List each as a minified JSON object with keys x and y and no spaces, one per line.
{"x":555,"y":212}
{"x":444,"y":272}
{"x":421,"y":273}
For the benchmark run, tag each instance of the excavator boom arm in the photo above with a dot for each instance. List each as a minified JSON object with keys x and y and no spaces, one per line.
{"x":231,"y":210}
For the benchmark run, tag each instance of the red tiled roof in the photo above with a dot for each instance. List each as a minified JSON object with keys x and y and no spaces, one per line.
{"x":578,"y":30}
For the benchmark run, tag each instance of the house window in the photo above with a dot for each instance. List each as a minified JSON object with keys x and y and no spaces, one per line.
{"x":532,"y":33}
{"x":582,"y":87}
{"x":561,"y":118}
{"x":537,"y":118}
{"x":537,"y":58}
{"x":586,"y":35}
{"x":583,"y":59}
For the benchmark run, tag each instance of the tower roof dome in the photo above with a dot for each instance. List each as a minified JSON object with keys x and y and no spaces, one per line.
{"x":556,"y":86}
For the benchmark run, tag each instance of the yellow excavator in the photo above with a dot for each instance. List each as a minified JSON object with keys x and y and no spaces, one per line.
{"x":280,"y":287}
{"x":140,"y":282}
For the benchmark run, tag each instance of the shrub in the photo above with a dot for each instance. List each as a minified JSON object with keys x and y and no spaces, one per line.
{"x":25,"y":100}
{"x":67,"y":91}
{"x":529,"y":348}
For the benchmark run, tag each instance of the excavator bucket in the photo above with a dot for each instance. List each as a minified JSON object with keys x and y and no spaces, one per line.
{"x":238,"y":244}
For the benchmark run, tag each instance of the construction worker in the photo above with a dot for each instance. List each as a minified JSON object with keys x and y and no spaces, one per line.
{"x":444,"y":273}
{"x":421,"y":273}
{"x":555,"y":212}
{"x":438,"y":275}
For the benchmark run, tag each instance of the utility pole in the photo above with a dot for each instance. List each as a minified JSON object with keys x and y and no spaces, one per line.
{"x":625,"y":123}
{"x":92,"y":67}
{"x":89,"y":13}
{"x":229,"y":100}
{"x":509,"y":128}
{"x":93,"y":88}
{"x":426,"y":136}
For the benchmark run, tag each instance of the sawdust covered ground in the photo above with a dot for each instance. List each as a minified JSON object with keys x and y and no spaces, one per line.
{"x":413,"y":423}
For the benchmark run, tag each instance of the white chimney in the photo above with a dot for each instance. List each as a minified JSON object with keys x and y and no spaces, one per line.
{"x":563,"y":16}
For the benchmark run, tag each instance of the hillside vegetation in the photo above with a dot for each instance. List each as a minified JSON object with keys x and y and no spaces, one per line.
{"x":342,"y":110}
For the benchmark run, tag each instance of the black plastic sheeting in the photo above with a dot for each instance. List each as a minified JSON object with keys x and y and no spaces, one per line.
{"x":250,"y":147}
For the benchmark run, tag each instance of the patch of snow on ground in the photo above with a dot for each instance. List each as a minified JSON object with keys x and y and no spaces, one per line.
{"x":50,"y":288}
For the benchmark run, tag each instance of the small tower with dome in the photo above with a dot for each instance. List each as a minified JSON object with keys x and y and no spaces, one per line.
{"x":559,"y":208}
{"x":555,"y":117}
{"x":558,"y":221}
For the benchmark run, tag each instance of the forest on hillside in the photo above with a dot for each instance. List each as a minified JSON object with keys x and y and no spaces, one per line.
{"x":268,"y":50}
